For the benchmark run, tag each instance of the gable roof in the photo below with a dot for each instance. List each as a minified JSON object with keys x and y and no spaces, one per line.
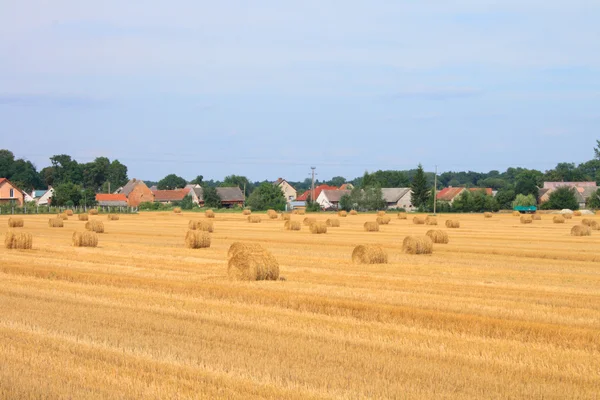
{"x":554,"y":185}
{"x":334,"y":196}
{"x":230,"y":194}
{"x":39,"y":193}
{"x":347,"y":186}
{"x":128,"y":188}
{"x":449,"y":193}
{"x":392,"y":195}
{"x":488,"y":191}
{"x":170,"y":195}
{"x":199,"y":193}
{"x":318,"y":189}
{"x":5,"y":180}
{"x":2,"y":180}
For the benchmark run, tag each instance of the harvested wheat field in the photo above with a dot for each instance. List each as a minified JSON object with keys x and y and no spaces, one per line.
{"x":504,"y":310}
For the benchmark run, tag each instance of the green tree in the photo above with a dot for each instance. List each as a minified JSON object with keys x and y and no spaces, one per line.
{"x":527,"y":183}
{"x":25,"y":176}
{"x":117,"y":174}
{"x":563,"y":197}
{"x":88,"y":198}
{"x":211,"y":197}
{"x":66,"y":169}
{"x":186,"y":204}
{"x":7,"y":158}
{"x":67,"y":193}
{"x":372,"y":199}
{"x":420,"y":189}
{"x":524,"y":201}
{"x":198,"y":180}
{"x":267,"y":196}
{"x":239,"y":181}
{"x":505,"y":197}
{"x":337,"y":181}
{"x":346,"y":202}
{"x":593,"y":201}
{"x":597,"y":150}
{"x":171,"y":182}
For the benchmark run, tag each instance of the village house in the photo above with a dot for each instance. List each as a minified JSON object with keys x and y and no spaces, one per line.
{"x":288,"y":190}
{"x":398,"y":198}
{"x":318,"y":189}
{"x":9,"y":193}
{"x":43,"y":197}
{"x":449,"y":194}
{"x":330,"y":199}
{"x":583,"y":191}
{"x":231,"y":197}
{"x":169,"y":196}
{"x":111,"y":200}
{"x":137,"y":192}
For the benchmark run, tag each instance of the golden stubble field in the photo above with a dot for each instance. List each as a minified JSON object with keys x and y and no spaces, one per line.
{"x":504,"y":310}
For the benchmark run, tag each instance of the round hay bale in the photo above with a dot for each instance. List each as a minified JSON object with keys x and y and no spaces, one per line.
{"x":201,"y":225}
{"x":209,"y":214}
{"x":254,"y":219}
{"x":286,"y":217}
{"x":516,"y":214}
{"x":301,"y":212}
{"x":21,"y":240}
{"x":385,"y":220}
{"x":429,"y":220}
{"x":577,"y":213}
{"x":69,"y":213}
{"x":309,"y":220}
{"x":371,"y":226}
{"x":95,"y":226}
{"x":237,"y":247}
{"x":82,"y":217}
{"x":177,"y":210}
{"x":197,"y":239}
{"x":292,"y":225}
{"x":419,"y":221}
{"x":112,"y":217}
{"x":62,"y":216}
{"x":381,"y":213}
{"x":353,"y":212}
{"x":487,"y":215}
{"x":93,"y":211}
{"x":318,"y":228}
{"x":438,"y":236}
{"x":567,"y":215}
{"x":369,"y":254}
{"x":246,"y":212}
{"x":452,"y":223}
{"x":252,"y":264}
{"x":56,"y":223}
{"x":342,"y":214}
{"x":581,"y":230}
{"x":526,"y":219}
{"x":537,"y":217}
{"x":15,"y":222}
{"x":558,"y":219}
{"x":417,"y":245}
{"x":402,"y":216}
{"x":333,"y":222}
{"x":593,"y":224}
{"x":272,"y":214}
{"x":85,"y":239}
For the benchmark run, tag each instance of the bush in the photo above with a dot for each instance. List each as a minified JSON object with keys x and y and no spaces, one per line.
{"x":524,"y":201}
{"x":563,"y":197}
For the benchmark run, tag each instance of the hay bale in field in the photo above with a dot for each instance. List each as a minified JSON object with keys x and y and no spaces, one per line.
{"x":353,"y":212}
{"x":537,"y":217}
{"x":69,"y":213}
{"x":252,"y":263}
{"x":385,"y":220}
{"x":593,"y":224}
{"x":209,"y":214}
{"x":85,"y":239}
{"x":381,"y":213}
{"x":419,"y":221}
{"x":333,"y":222}
{"x":487,"y":215}
{"x":558,"y":219}
{"x":201,"y":225}
{"x":309,"y":220}
{"x":21,"y":240}
{"x":272,"y":214}
{"x":342,"y":214}
{"x":82,"y":217}
{"x":417,"y":245}
{"x":177,"y":210}
{"x":254,"y":219}
{"x":369,"y":254}
{"x":581,"y":230}
{"x":567,"y":215}
{"x":438,"y":236}
{"x":292,"y":225}
{"x":577,"y":213}
{"x":526,"y":219}
{"x":318,"y":228}
{"x":429,"y":220}
{"x":62,"y":216}
{"x":93,"y":211}
{"x":402,"y":216}
{"x":246,"y":212}
{"x":452,"y":223}
{"x":95,"y":226}
{"x":371,"y":226}
{"x":15,"y":222}
{"x":516,"y":214}
{"x":299,"y":211}
{"x":112,"y":217}
{"x":286,"y":217}
{"x":197,"y":239}
{"x":237,"y":247}
{"x":56,"y":223}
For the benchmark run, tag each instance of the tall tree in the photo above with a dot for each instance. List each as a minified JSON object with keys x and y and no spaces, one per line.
{"x":337,"y":181}
{"x":597,"y":150}
{"x":117,"y":174}
{"x":563,"y":197}
{"x":527,"y":182}
{"x":267,"y":196}
{"x":7,"y":158}
{"x":171,"y":182}
{"x":239,"y":181}
{"x":420,"y":189}
{"x":211,"y":197}
{"x":198,"y":180}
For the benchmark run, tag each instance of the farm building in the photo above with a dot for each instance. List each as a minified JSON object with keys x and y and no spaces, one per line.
{"x":288,"y":190}
{"x":398,"y":198}
{"x":449,"y":194}
{"x":111,"y":200}
{"x":137,"y":192}
{"x":9,"y":193}
{"x":583,"y":191}
{"x":231,"y":196}
{"x":330,"y":199}
{"x":169,"y":196}
{"x":318,"y":189}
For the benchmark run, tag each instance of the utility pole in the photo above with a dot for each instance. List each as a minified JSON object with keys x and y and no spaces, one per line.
{"x":244,"y":194}
{"x":108,"y":187}
{"x":435,"y":191}
{"x":312,"y":188}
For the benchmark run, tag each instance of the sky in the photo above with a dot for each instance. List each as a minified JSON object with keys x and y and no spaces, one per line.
{"x":267,"y":89}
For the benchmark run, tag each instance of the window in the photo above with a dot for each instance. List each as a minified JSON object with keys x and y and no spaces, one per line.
{"x":12,"y":193}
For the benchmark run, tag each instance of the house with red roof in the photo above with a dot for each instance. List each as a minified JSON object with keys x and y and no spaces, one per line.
{"x":111,"y":200}
{"x":9,"y":193}
{"x":169,"y":196}
{"x":488,"y":191}
{"x":318,"y":189}
{"x":449,"y":194}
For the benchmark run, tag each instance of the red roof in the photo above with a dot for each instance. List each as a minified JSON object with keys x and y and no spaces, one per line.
{"x":110,"y":197}
{"x":170,"y":195}
{"x":2,"y":180}
{"x":318,"y":189}
{"x":488,"y":191}
{"x":449,"y":193}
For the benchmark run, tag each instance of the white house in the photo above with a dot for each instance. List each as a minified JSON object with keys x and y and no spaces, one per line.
{"x":288,"y":190}
{"x":398,"y":198}
{"x":44,"y":198}
{"x":330,"y":199}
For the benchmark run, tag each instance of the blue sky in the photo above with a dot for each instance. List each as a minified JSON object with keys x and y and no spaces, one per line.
{"x":269,"y":88}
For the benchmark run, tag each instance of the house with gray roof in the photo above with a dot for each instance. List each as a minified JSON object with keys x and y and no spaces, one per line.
{"x":398,"y":198}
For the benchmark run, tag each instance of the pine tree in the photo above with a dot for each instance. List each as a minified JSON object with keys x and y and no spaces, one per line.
{"x":420,"y":191}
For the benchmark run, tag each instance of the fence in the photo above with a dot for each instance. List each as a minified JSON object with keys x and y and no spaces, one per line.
{"x":12,"y":210}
